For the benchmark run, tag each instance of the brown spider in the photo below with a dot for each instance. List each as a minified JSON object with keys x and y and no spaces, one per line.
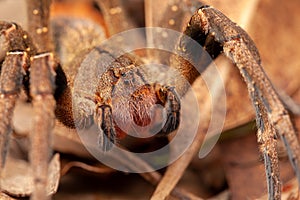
{"x":27,"y":58}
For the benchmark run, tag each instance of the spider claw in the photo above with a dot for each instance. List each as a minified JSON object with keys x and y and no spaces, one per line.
{"x":105,"y":123}
{"x":173,"y":109}
{"x":108,"y":139}
{"x":171,"y":124}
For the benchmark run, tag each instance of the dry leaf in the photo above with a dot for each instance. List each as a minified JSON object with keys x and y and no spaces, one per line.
{"x":5,"y":197}
{"x":17,"y":180}
{"x":90,"y":168}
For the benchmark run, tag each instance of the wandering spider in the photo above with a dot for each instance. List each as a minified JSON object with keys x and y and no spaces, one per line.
{"x":29,"y":59}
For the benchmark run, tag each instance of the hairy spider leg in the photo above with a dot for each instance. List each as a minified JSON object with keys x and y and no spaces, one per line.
{"x":15,"y":50}
{"x":105,"y":123}
{"x":235,"y":43}
{"x":115,"y":16}
{"x":169,"y":97}
{"x":42,"y":86}
{"x":267,"y":139}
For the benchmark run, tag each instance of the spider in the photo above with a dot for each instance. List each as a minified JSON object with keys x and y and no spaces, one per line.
{"x":29,"y":59}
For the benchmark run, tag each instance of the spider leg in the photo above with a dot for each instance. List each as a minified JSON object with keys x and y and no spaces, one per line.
{"x":42,"y":83}
{"x":15,"y":47}
{"x":41,"y":90}
{"x":213,"y":29}
{"x":277,"y":114}
{"x":38,"y":12}
{"x":10,"y":85}
{"x":104,"y":121}
{"x":115,"y":16}
{"x":266,"y":137}
{"x":171,"y":100}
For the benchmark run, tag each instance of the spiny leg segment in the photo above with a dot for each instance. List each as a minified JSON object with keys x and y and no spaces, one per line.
{"x":116,"y":18}
{"x":14,"y":58}
{"x":10,"y":85}
{"x":41,"y":90}
{"x":42,"y":84}
{"x":218,"y":34}
{"x":104,"y":120}
{"x":171,"y":100}
{"x":267,"y":139}
{"x":20,"y":54}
